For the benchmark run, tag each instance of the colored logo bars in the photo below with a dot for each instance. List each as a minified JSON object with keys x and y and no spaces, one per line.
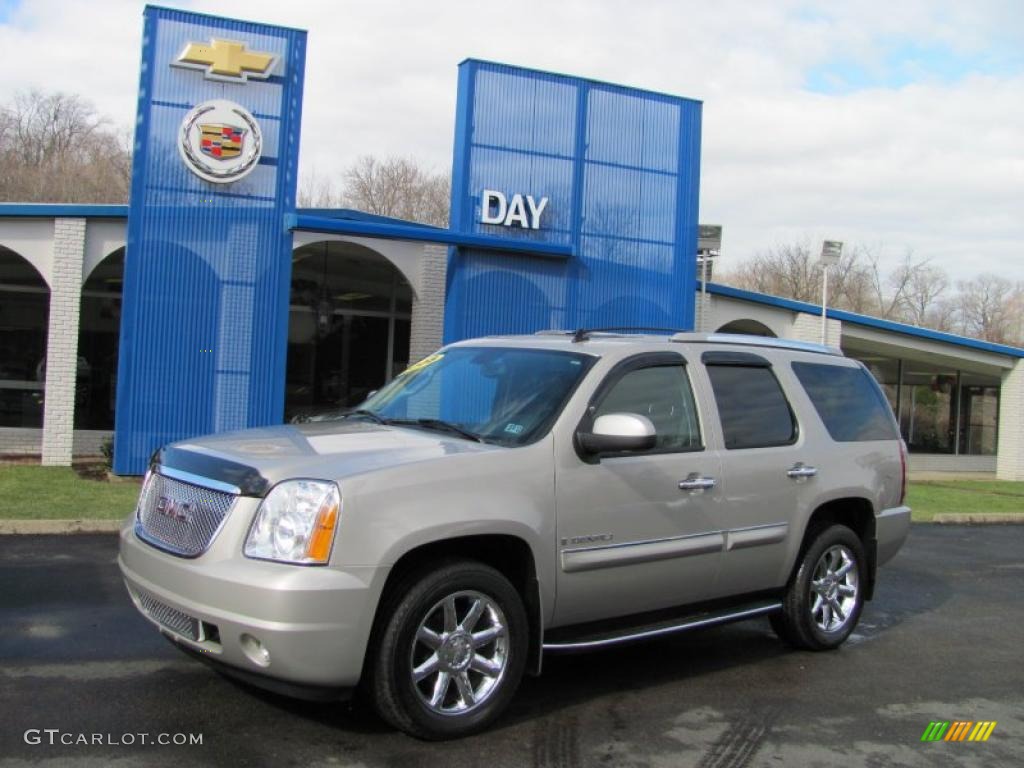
{"x":958,"y":730}
{"x":221,"y":141}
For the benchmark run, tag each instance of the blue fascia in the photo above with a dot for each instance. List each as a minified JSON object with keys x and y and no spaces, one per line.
{"x":400,"y":230}
{"x":352,"y":214}
{"x":63,"y":210}
{"x":865,"y":320}
{"x":93,"y":210}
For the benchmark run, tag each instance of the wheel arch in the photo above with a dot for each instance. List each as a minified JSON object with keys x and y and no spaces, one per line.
{"x":856,"y":513}
{"x":508,"y":554}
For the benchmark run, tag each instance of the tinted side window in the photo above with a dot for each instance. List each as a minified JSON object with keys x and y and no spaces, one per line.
{"x":753,"y":410}
{"x":848,"y":401}
{"x":662,"y":394}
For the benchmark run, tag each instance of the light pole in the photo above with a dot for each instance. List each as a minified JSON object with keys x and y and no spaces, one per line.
{"x":709,"y":245}
{"x":831,"y":250}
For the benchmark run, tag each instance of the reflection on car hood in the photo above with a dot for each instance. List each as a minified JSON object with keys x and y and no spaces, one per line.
{"x":255,"y":459}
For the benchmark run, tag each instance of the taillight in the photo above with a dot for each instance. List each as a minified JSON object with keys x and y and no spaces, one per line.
{"x":903,"y":472}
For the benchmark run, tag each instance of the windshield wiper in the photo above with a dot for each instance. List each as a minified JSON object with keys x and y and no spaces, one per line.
{"x":441,"y":425}
{"x":368,"y":414}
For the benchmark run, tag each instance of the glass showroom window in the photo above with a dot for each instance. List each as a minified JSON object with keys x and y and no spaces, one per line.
{"x":349,"y":326}
{"x":24,"y":321}
{"x":99,"y":331}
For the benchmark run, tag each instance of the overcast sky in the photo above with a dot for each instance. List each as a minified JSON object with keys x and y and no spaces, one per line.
{"x":898,"y":125}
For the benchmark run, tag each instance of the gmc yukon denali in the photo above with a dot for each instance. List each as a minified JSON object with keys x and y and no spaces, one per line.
{"x":512,"y":497}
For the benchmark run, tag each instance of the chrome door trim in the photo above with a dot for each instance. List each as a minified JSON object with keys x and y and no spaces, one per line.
{"x":755,"y":536}
{"x":632,"y":552}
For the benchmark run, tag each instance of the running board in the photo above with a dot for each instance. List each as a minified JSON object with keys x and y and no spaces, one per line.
{"x":632,"y":634}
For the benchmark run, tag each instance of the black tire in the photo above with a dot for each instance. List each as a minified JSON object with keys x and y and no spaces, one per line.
{"x":798,"y":623}
{"x":421,"y":599}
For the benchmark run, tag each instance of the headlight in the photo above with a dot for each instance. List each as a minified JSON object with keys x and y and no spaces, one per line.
{"x":295,"y":523}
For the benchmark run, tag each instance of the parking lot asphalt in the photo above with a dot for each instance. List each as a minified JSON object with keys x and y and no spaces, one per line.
{"x":941,"y":641}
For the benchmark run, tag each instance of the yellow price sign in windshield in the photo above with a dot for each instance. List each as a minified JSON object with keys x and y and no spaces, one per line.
{"x":425,"y":362}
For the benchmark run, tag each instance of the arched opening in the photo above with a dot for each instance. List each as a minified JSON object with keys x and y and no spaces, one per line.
{"x":748,"y":327}
{"x":98,"y":335}
{"x":349,"y":325}
{"x":24,"y":324}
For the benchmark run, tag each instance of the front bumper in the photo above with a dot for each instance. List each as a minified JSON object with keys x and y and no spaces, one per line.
{"x":302,"y":626}
{"x":891,"y":529}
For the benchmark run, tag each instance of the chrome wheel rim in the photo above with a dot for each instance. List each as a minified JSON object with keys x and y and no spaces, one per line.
{"x":834,"y":589}
{"x":460,"y":653}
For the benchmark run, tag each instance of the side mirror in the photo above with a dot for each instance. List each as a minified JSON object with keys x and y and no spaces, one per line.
{"x":616,"y":432}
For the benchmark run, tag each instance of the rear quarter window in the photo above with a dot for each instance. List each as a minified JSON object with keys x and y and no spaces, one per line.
{"x":848,"y":401}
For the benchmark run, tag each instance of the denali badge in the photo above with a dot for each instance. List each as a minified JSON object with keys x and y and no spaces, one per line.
{"x":176,"y":510}
{"x":593,"y":538}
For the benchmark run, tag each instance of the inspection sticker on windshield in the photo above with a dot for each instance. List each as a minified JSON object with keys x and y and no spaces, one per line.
{"x":514,"y":429}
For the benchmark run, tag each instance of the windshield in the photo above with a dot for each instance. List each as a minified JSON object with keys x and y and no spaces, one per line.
{"x":498,"y":394}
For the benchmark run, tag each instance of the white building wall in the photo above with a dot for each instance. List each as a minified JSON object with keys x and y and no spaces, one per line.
{"x":806,"y":327}
{"x":62,"y":341}
{"x":1010,"y":451}
{"x":428,"y":303}
{"x":32,"y":239}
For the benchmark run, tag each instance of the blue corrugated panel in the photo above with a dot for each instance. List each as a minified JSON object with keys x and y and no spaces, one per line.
{"x":621,"y":170}
{"x":207,"y":268}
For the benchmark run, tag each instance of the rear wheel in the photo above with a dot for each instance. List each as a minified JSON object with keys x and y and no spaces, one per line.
{"x":451,"y":653}
{"x":825,"y":594}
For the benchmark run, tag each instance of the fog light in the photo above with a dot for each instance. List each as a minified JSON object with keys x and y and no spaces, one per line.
{"x":255,"y":650}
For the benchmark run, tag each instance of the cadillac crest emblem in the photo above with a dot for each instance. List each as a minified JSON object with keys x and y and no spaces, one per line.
{"x":220,"y":141}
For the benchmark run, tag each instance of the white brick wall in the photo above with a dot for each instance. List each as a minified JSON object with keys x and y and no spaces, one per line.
{"x":808,"y":328}
{"x":62,"y":341}
{"x":1010,"y":461}
{"x":428,"y":303}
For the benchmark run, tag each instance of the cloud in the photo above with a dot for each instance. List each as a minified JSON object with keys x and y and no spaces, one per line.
{"x":888,"y":123}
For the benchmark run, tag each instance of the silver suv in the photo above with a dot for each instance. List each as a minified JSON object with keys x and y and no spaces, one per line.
{"x":512,"y":497}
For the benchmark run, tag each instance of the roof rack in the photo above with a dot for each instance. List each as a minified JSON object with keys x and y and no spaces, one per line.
{"x":757,"y":341}
{"x":583,"y":334}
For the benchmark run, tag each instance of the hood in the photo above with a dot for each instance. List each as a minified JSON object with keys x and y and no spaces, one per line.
{"x":255,"y":459}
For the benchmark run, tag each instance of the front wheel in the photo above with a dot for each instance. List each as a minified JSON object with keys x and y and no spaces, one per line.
{"x":825,"y":595}
{"x":451,"y":653}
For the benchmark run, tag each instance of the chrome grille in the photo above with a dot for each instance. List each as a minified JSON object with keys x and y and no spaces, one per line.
{"x":180,"y":517}
{"x":172,"y":618}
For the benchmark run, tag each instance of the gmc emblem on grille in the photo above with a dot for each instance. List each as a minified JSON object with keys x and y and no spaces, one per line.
{"x":176,"y":510}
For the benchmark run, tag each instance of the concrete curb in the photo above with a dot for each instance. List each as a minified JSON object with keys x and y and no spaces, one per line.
{"x":979,"y":518}
{"x":59,"y":526}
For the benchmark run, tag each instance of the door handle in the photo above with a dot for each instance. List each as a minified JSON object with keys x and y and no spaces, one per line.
{"x":801,"y":471}
{"x":694,"y":482}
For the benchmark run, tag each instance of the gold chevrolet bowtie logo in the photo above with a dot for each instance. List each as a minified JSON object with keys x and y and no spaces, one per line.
{"x":227,"y":60}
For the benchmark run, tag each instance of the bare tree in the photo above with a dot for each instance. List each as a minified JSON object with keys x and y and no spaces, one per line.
{"x":913,"y":291}
{"x":55,"y":147}
{"x":792,"y":270}
{"x":316,"y":191}
{"x":396,"y":186}
{"x":921,"y":299}
{"x":985,"y":306}
{"x":786,"y":270}
{"x":399,"y":187}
